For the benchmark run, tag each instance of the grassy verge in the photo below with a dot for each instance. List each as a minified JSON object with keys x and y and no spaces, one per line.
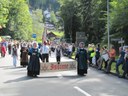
{"x":113,"y":67}
{"x":73,"y":55}
{"x":58,"y":34}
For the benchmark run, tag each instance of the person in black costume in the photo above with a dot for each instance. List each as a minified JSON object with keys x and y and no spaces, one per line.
{"x":34,"y":63}
{"x":24,"y":55}
{"x":9,"y":48}
{"x":58,"y":54}
{"x":81,"y":57}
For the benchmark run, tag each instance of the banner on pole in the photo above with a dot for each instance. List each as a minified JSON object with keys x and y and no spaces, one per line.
{"x":54,"y":67}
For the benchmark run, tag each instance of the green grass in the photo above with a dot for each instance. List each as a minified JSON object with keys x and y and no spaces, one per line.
{"x":113,"y":66}
{"x":58,"y":34}
{"x":73,"y":55}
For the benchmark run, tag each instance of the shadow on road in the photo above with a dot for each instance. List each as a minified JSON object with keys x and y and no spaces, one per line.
{"x":10,"y":67}
{"x":47,"y":77}
{"x":74,"y":76}
{"x":64,"y":76}
{"x":25,"y":78}
{"x":5,"y":66}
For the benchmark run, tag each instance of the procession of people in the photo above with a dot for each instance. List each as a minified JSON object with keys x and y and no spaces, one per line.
{"x":31,"y":54}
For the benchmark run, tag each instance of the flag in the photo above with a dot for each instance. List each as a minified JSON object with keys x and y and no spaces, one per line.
{"x":44,"y":37}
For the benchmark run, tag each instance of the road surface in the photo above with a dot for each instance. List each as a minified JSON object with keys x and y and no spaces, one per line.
{"x":14,"y":82}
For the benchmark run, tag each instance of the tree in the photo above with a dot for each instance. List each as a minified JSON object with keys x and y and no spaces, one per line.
{"x":119,"y":21}
{"x":19,"y":24}
{"x":37,"y":19}
{"x":53,"y":18}
{"x":68,"y":12}
{"x":44,"y":4}
{"x":4,"y":11}
{"x":84,"y":16}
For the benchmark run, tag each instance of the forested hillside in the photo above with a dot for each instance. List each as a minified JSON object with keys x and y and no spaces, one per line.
{"x":22,"y":18}
{"x":90,"y":16}
{"x":44,"y":4}
{"x":15,"y":19}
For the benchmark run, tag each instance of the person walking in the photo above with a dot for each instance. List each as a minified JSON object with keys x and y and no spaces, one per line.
{"x":14,"y":55}
{"x":34,"y":62}
{"x":58,"y":54}
{"x":45,"y":52}
{"x":3,"y":50}
{"x":9,"y":48}
{"x":24,"y":55}
{"x":81,"y":57}
{"x":69,"y":50}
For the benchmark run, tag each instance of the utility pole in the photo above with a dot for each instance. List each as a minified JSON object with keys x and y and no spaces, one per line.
{"x":108,"y":24}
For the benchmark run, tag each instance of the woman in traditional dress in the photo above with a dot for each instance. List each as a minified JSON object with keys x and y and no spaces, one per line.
{"x":14,"y":55}
{"x":34,"y":63}
{"x":9,"y":47}
{"x":81,"y":57}
{"x":24,"y":55}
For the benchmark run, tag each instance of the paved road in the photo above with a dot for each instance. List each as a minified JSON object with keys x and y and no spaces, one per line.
{"x":14,"y":82}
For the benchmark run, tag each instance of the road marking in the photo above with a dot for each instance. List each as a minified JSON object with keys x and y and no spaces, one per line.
{"x":82,"y":91}
{"x":60,"y":76}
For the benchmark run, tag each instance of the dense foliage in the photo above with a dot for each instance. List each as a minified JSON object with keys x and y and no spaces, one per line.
{"x":37,"y":17}
{"x":90,"y":16}
{"x":119,"y":19}
{"x":4,"y":11}
{"x":84,"y":16}
{"x":17,"y":20}
{"x":44,"y":4}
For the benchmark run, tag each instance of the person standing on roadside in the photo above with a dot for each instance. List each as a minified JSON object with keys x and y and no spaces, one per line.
{"x":112,"y":56}
{"x":73,"y":48}
{"x":120,"y":60}
{"x":0,"y":48}
{"x":97,"y":54}
{"x":104,"y":58}
{"x":45,"y":52}
{"x":70,"y":50}
{"x":125,"y":66}
{"x":81,"y":57}
{"x":90,"y":51}
{"x":14,"y":55}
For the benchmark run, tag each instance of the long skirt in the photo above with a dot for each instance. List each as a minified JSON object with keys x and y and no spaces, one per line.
{"x":33,"y":67}
{"x":81,"y":71}
{"x":23,"y":64}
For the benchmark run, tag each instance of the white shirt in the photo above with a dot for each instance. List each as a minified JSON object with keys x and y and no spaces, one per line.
{"x":70,"y":48}
{"x":44,"y":49}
